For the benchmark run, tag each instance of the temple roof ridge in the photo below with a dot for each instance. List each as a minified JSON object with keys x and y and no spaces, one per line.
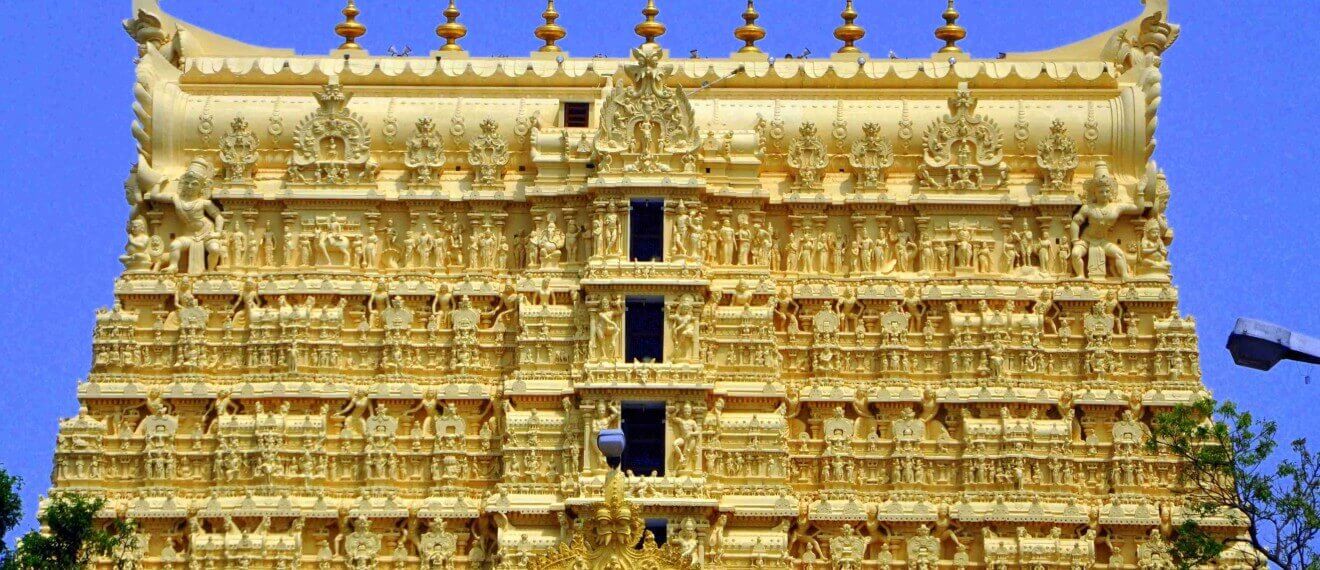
{"x":202,"y":43}
{"x":687,"y":72}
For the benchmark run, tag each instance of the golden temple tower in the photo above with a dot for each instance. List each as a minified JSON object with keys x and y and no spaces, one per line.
{"x":898,"y":314}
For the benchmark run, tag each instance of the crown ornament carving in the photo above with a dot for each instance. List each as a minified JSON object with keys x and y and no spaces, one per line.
{"x":425,"y":154}
{"x":238,"y":152}
{"x":961,"y":147}
{"x":1057,"y":158}
{"x":808,"y":158}
{"x":332,"y":145}
{"x":870,"y":158}
{"x":488,"y":155}
{"x":645,"y":123}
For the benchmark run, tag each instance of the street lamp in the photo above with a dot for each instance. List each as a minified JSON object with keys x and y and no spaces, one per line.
{"x":1261,"y":345}
{"x":611,"y":443}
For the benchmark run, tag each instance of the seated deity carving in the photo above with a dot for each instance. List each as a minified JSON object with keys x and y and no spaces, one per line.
{"x":201,"y":221}
{"x":1095,"y":248}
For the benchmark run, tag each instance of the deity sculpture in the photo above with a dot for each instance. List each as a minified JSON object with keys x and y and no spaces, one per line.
{"x":1094,"y":247}
{"x":685,"y":329}
{"x":201,"y":221}
{"x":605,"y":328}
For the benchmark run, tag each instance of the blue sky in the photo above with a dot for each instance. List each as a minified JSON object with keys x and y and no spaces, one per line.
{"x":1236,"y":137}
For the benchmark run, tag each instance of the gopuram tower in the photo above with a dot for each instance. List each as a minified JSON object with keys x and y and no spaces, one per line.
{"x":848,"y":312}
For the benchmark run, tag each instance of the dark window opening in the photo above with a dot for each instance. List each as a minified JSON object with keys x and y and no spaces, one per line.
{"x":659,"y":529}
{"x":646,"y":224}
{"x":644,"y":329}
{"x":644,"y":428}
{"x":577,"y":115}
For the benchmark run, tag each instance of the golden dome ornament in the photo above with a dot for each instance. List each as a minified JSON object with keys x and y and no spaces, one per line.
{"x":550,"y":32}
{"x":650,"y":29}
{"x":451,"y":30}
{"x":950,"y":33}
{"x":750,"y":33}
{"x":849,"y":33}
{"x":350,"y":29}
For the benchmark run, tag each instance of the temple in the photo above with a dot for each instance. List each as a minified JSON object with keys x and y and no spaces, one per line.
{"x":849,"y":312}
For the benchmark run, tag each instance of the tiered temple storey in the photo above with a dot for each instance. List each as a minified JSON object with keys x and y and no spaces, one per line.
{"x":850,"y":312}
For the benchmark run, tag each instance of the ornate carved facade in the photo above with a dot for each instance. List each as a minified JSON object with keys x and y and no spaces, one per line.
{"x":908,"y":313}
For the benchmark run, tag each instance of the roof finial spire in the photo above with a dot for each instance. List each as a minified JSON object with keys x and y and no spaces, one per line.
{"x":849,"y":33}
{"x":451,"y":30}
{"x":350,"y":29}
{"x":750,"y":32}
{"x":951,"y":32}
{"x":650,"y":29}
{"x":550,"y":32}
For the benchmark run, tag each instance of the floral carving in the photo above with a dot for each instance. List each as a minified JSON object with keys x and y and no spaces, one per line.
{"x":870,"y":158}
{"x":1057,"y":158}
{"x":488,"y":155}
{"x":808,"y":158}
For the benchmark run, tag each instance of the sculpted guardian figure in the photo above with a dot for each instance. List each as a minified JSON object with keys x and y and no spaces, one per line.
{"x":1092,"y":230}
{"x":200,"y":220}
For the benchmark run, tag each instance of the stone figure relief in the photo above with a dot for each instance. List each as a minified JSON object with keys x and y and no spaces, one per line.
{"x":1094,"y":247}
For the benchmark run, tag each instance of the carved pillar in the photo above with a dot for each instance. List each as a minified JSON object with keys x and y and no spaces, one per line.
{"x":290,"y":236}
{"x":1005,"y":230}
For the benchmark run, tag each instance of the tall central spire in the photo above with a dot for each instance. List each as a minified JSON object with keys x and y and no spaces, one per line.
{"x":650,"y":29}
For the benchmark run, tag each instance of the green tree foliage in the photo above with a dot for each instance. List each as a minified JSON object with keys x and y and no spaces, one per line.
{"x":11,"y":510}
{"x":1230,"y":470}
{"x":73,"y":538}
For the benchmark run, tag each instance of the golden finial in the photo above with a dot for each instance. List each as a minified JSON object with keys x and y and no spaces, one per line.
{"x":849,"y":33}
{"x":951,"y":32}
{"x":550,"y":32}
{"x":350,"y":29}
{"x":451,"y":30}
{"x":650,"y":29}
{"x":750,"y":32}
